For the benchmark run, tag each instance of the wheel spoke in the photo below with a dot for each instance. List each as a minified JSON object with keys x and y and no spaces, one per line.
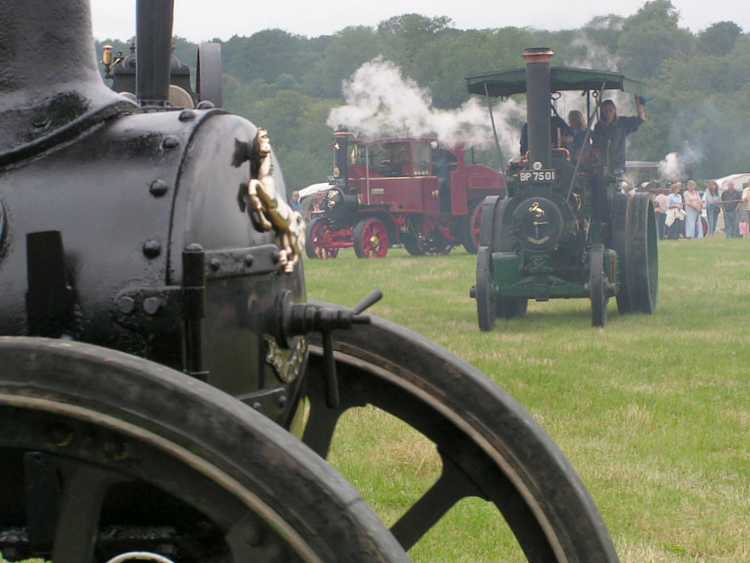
{"x":451,"y":487}
{"x":80,"y":507}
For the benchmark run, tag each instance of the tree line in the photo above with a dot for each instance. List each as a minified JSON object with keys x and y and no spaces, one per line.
{"x":698,"y":82}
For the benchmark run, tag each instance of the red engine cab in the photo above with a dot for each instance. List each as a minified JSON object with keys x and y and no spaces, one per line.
{"x":412,"y":191}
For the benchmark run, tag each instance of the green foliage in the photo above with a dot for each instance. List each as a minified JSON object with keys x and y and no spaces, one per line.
{"x":719,"y":39}
{"x":650,"y":37}
{"x":699,"y":82}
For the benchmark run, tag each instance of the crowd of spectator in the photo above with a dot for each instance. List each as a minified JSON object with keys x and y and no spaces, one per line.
{"x":684,"y":212}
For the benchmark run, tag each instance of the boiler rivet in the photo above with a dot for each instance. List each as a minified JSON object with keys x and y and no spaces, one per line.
{"x":186,"y":115}
{"x":215,"y":264}
{"x":170,"y":142}
{"x":249,"y":259}
{"x":158,"y":188}
{"x":151,"y":248}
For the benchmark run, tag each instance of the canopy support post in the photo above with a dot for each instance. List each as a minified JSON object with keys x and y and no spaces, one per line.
{"x":494,"y":129}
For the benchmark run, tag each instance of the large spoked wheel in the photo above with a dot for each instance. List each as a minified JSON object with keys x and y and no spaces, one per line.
{"x":470,"y":236}
{"x":641,"y":255}
{"x":103,"y":454}
{"x":493,"y":232}
{"x":371,"y":238}
{"x":483,"y":291}
{"x":619,"y":242}
{"x":210,"y":74}
{"x":315,"y":238}
{"x":597,"y":286}
{"x":489,"y":445}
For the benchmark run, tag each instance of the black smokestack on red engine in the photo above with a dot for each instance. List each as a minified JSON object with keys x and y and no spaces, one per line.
{"x":153,"y":36}
{"x":538,"y":93}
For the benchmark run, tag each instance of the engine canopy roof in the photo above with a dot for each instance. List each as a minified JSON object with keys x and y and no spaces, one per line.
{"x":510,"y":82}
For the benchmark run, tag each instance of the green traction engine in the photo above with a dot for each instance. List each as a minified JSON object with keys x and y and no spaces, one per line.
{"x":565,"y":229}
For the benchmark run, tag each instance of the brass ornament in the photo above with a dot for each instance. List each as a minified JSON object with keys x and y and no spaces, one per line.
{"x":269,"y":212}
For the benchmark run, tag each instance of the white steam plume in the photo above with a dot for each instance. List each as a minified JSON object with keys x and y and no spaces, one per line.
{"x":381,"y":101}
{"x":675,"y":166}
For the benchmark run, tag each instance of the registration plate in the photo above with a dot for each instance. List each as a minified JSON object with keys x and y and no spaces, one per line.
{"x":538,"y":176}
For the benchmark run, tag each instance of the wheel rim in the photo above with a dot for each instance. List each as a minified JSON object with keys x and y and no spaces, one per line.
{"x":597,"y":286}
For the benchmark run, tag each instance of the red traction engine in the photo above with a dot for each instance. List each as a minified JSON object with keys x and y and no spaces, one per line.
{"x":411,"y":191}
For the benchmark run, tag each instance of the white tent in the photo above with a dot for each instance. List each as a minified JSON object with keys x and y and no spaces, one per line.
{"x":739,"y":181}
{"x":313,"y":189}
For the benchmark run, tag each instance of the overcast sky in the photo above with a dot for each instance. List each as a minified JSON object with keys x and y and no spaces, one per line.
{"x":206,"y":19}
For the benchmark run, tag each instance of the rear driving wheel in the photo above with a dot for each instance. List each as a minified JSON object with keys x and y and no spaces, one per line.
{"x":470,"y":236}
{"x":597,"y":286}
{"x":104,"y":454}
{"x":371,"y":238}
{"x":641,"y":255}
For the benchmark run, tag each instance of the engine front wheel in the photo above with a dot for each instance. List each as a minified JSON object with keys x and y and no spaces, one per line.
{"x":315,"y":247}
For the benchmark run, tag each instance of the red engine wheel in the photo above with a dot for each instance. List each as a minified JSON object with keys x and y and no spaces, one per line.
{"x":318,"y":232}
{"x":371,"y":239}
{"x":471,"y":229}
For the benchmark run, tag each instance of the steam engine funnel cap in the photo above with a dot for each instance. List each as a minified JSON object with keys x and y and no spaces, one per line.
{"x":46,"y":100}
{"x":538,"y":55}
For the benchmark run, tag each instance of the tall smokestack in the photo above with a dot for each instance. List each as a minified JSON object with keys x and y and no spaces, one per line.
{"x":153,"y":36}
{"x":50,"y":85}
{"x":538,"y":93}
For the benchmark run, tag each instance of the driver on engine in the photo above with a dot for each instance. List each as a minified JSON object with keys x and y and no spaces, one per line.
{"x":611,"y":132}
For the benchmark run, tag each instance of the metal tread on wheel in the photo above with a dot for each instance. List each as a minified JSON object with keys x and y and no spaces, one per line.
{"x":490,"y":447}
{"x":165,"y":463}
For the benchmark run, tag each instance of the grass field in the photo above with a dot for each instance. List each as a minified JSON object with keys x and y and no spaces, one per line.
{"x":653,"y":411}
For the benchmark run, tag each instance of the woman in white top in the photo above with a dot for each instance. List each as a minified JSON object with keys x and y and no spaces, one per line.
{"x":693,"y":207}
{"x":675,"y":213}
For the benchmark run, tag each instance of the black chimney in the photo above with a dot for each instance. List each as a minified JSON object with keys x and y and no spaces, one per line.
{"x":50,"y":86}
{"x":538,"y":104}
{"x":153,"y":36}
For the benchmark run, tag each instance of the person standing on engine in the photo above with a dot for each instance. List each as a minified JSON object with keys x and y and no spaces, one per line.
{"x":576,"y":134}
{"x":611,"y":132}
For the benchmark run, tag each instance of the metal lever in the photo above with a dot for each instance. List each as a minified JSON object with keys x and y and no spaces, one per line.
{"x":298,"y":319}
{"x":375,"y":296}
